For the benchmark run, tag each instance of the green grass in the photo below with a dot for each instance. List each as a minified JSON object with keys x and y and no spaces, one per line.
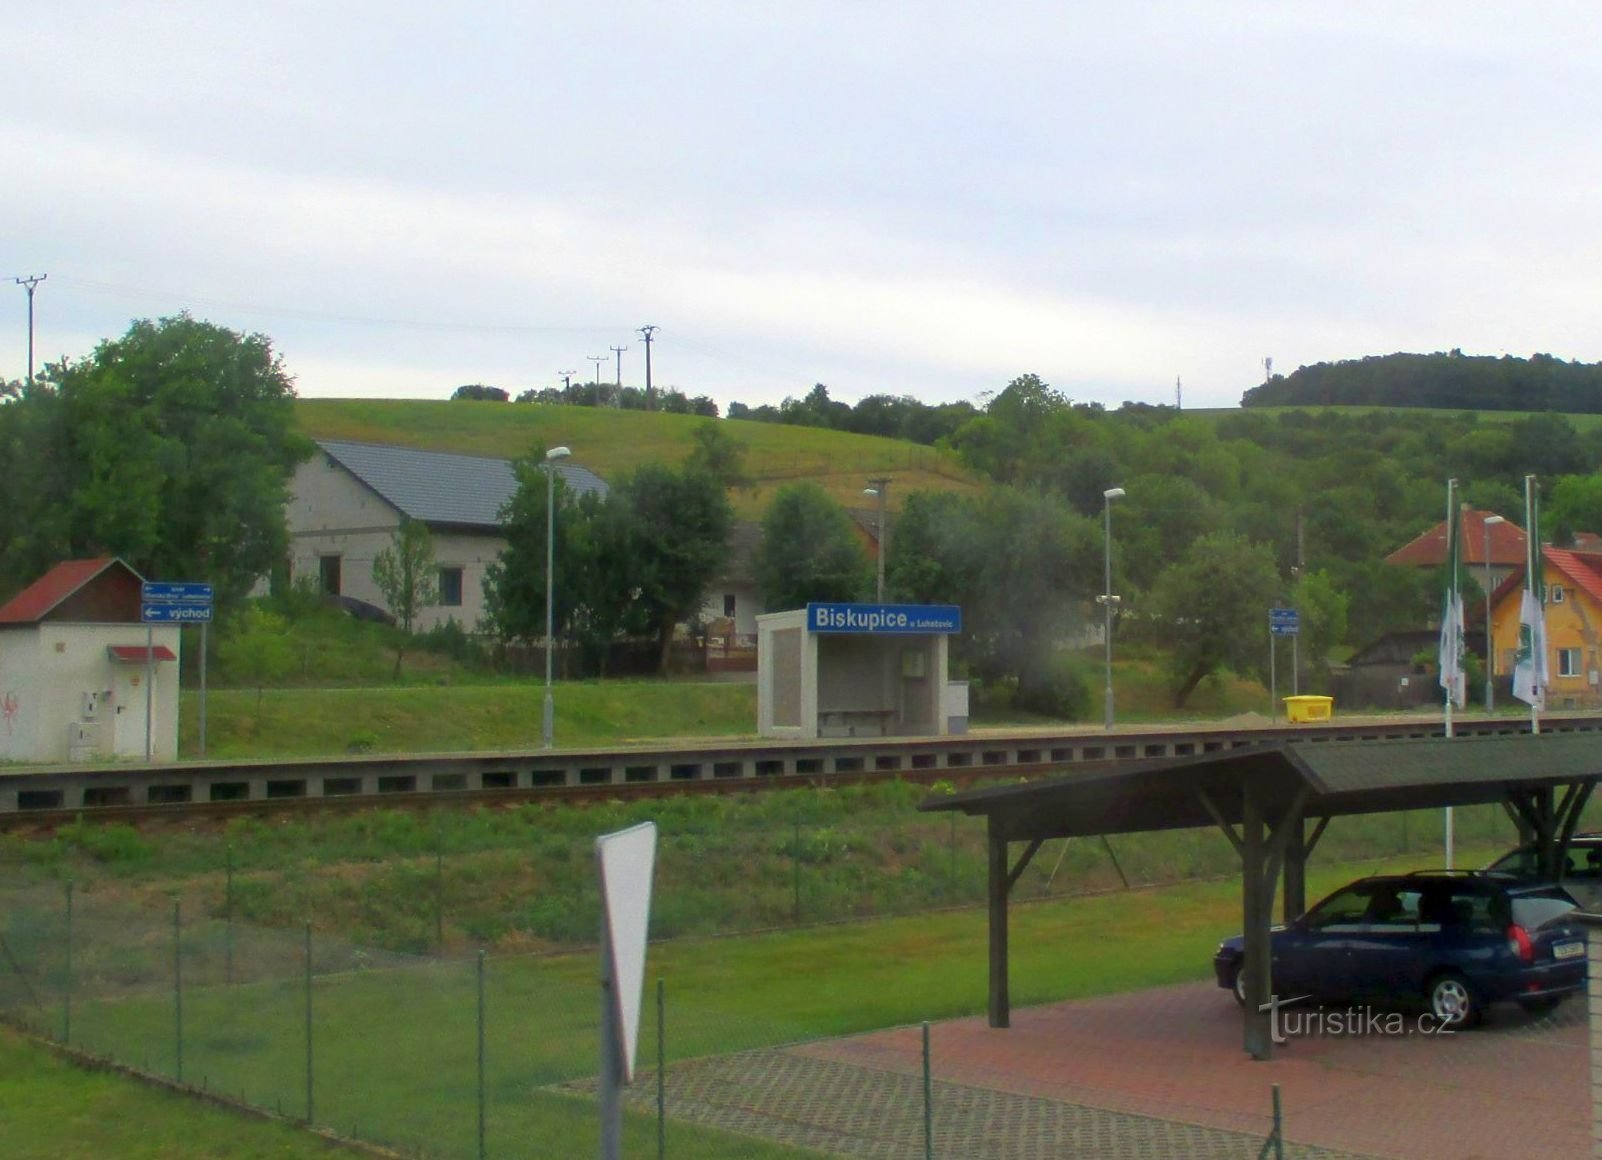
{"x":310,"y":722}
{"x":613,"y":442}
{"x":53,"y":1110}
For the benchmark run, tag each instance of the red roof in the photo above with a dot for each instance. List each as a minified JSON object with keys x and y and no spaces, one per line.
{"x":1579,"y":567}
{"x":1429,"y":549}
{"x":136,"y":652}
{"x":35,"y":601}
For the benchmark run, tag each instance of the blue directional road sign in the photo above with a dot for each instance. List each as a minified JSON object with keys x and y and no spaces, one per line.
{"x":1284,"y":621}
{"x":176,"y":591}
{"x":175,"y":602}
{"x":175,"y":613}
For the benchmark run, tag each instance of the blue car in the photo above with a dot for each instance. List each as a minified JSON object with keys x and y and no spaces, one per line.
{"x":1456,"y":941}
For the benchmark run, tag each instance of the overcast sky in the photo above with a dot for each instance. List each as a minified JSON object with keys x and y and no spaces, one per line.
{"x":910,"y":198}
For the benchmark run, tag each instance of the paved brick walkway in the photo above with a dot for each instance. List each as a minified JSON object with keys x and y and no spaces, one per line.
{"x":795,"y":1098}
{"x":1156,"y":1074}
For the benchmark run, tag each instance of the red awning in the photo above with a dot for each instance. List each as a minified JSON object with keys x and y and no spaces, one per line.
{"x":135,"y":653}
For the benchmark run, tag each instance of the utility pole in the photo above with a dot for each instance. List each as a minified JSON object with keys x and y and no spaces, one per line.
{"x":597,"y":359}
{"x":650,"y":397}
{"x":30,"y":283}
{"x":1179,"y":393}
{"x":617,"y":400}
{"x":567,"y":379}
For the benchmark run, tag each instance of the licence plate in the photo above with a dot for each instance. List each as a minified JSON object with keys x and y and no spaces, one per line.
{"x":1568,"y":950}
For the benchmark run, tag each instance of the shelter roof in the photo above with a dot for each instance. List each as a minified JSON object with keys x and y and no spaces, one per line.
{"x":1429,"y":549}
{"x":38,"y":599}
{"x":1337,"y":778}
{"x":439,"y":487}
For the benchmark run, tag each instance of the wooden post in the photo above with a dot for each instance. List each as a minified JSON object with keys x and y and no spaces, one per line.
{"x":1295,"y":869}
{"x":996,"y":893}
{"x":1255,"y":921}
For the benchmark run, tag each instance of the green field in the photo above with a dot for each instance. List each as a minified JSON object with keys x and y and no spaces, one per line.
{"x":612,"y":442}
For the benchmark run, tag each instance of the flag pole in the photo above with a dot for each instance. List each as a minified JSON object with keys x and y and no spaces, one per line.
{"x":1449,"y":658}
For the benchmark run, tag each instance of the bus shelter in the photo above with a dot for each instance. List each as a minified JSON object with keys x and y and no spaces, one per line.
{"x":858,"y":670}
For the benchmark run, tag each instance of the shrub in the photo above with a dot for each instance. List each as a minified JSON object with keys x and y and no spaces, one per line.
{"x":1062,"y":689}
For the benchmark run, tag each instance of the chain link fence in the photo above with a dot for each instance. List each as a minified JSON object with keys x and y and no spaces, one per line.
{"x":444,"y":1002}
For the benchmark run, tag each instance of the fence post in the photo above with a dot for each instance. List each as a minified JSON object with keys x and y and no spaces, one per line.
{"x":228,"y":919}
{"x":661,"y":1068}
{"x":928,"y":1099}
{"x":310,"y":1119}
{"x":178,"y":988}
{"x":481,"y":1078}
{"x":795,"y":864}
{"x":66,"y":1004}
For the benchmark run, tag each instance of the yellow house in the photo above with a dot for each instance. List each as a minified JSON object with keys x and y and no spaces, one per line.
{"x":1573,"y":627}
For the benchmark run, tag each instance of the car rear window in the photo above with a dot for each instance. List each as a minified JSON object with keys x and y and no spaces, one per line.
{"x":1537,"y":908}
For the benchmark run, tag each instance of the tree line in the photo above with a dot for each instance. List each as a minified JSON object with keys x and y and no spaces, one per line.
{"x":1449,"y":381}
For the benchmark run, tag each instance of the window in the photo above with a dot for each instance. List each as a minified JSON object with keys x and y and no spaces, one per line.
{"x":1568,"y":662}
{"x":728,"y":604}
{"x":1555,"y":594}
{"x":328,"y":574}
{"x":450,"y":587}
{"x":1344,"y":910}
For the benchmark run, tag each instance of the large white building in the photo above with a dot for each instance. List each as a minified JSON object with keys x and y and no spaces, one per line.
{"x":348,"y":500}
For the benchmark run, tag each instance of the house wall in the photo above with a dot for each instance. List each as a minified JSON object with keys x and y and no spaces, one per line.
{"x":334,"y":514}
{"x":45,"y":671}
{"x":1576,"y":622}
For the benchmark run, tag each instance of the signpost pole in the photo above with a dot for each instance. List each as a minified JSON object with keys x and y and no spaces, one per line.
{"x":203,"y":627}
{"x":1273,"y":676}
{"x":150,"y":683}
{"x":611,"y":1092}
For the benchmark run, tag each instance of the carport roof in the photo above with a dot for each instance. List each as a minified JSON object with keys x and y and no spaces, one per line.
{"x":1347,"y":777}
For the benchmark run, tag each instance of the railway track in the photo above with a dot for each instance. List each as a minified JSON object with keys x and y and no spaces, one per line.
{"x":45,"y":797}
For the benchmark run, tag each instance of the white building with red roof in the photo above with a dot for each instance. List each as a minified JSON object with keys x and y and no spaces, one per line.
{"x":74,"y":661}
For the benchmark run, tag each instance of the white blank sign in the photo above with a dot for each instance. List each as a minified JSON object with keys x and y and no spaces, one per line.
{"x":626,"y":861}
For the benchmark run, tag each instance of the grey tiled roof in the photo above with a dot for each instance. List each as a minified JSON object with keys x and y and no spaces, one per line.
{"x":440,"y":488}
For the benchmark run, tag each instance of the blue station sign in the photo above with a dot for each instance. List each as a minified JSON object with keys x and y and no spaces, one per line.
{"x":181,"y":591}
{"x":1284,"y":622}
{"x":879,"y":619}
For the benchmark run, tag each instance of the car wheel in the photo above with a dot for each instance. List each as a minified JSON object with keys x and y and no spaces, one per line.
{"x":1452,"y":1001}
{"x":1541,"y":1005}
{"x":1237,"y":984}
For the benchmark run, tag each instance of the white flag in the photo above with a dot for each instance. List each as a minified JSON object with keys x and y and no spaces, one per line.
{"x":1530,"y":666}
{"x":1453,"y":679}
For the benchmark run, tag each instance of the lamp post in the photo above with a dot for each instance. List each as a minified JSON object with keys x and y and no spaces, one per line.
{"x":1490,"y":648}
{"x":1107,"y":597}
{"x":548,"y":732}
{"x":880,"y":488}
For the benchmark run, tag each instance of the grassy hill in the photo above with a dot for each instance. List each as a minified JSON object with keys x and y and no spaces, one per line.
{"x":612,"y":442}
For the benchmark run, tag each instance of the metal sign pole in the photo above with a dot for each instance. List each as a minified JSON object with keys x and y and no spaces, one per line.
{"x":611,"y":1088}
{"x":1296,"y":664}
{"x":150,"y":683}
{"x":203,"y":627}
{"x":1273,"y":676}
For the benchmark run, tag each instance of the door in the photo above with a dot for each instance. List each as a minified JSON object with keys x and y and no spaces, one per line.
{"x":1313,"y":955}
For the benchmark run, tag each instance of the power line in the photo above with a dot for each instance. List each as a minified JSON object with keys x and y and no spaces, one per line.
{"x":322,"y":316}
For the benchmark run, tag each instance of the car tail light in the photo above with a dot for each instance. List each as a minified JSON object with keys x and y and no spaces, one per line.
{"x":1518,"y":942}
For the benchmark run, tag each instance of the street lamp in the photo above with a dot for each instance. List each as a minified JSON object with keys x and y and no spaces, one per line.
{"x":1490,"y":653}
{"x":880,"y":488}
{"x":548,"y":733}
{"x":1107,"y":598}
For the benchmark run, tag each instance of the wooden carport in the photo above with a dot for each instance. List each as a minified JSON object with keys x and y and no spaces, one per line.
{"x":1263,"y":798}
